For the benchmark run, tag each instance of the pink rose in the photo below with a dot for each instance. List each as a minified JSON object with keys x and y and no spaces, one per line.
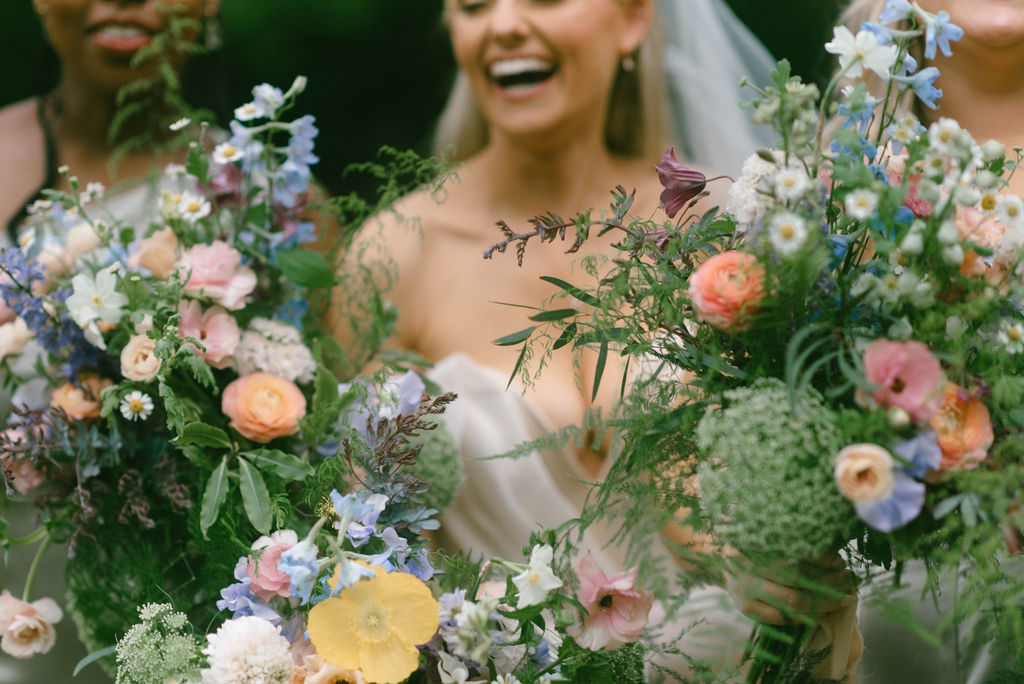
{"x":20,"y":470}
{"x":726,"y":289}
{"x":908,"y":375}
{"x":216,"y":330}
{"x":27,"y":628}
{"x":263,"y":407}
{"x":616,"y":612}
{"x":267,"y":581}
{"x":217,"y":273}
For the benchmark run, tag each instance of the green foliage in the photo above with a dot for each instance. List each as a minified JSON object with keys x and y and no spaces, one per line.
{"x":624,"y":665}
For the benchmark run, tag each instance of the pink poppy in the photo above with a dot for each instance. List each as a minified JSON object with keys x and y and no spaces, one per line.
{"x":908,"y":375}
{"x":616,"y":612}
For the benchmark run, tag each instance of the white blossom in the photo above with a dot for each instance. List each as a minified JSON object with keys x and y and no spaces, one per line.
{"x":861,"y":51}
{"x":537,"y":580}
{"x":248,"y":649}
{"x":787,"y":232}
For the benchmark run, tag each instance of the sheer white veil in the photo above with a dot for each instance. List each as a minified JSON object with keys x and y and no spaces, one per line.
{"x":707,"y":51}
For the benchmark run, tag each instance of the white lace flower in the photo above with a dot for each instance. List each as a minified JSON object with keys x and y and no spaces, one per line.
{"x":248,"y":649}
{"x":536,"y":581}
{"x":136,"y":406}
{"x":861,"y":51}
{"x":861,"y":204}
{"x":749,"y":198}
{"x":226,"y":153}
{"x":1010,"y":210}
{"x":276,"y":348}
{"x":1011,"y":336}
{"x":193,"y":207}
{"x":180,"y":124}
{"x":93,"y":192}
{"x":95,"y":298}
{"x":787,"y":232}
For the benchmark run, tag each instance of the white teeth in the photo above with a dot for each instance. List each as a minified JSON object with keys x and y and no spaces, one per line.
{"x":520,"y":65}
{"x":122,"y":31}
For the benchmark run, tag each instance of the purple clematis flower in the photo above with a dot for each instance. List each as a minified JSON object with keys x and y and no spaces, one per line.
{"x":896,"y":510}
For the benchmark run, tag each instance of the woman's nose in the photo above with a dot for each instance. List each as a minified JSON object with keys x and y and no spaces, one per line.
{"x":507,"y":20}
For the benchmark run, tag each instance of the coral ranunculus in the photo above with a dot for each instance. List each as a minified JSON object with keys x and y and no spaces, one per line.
{"x":81,"y":402}
{"x":263,"y":407}
{"x":138,"y":359}
{"x":964,"y":429}
{"x":375,"y":625}
{"x":616,"y":611}
{"x":726,"y":289}
{"x":864,"y":472}
{"x":908,"y":375}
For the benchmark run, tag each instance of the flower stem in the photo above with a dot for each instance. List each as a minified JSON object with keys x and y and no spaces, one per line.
{"x":35,"y":566}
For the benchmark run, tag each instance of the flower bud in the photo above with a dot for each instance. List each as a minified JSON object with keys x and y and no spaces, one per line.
{"x":948,"y":234}
{"x":898,"y":417}
{"x":912,"y":244}
{"x":955,"y":328}
{"x":992,"y":150}
{"x":953,"y":255}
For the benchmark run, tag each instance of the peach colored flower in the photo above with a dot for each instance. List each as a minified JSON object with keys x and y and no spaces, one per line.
{"x":864,"y":472}
{"x":27,"y":628}
{"x":908,"y":375}
{"x":83,"y":401}
{"x":138,"y":362}
{"x":964,"y":429}
{"x":20,"y":470}
{"x":81,"y":239}
{"x":215,"y":328}
{"x":616,"y":612}
{"x":975,"y":226}
{"x":267,"y":581}
{"x":6,"y":313}
{"x":217,"y":272}
{"x":316,"y":670}
{"x":158,"y":253}
{"x":726,"y":289}
{"x":263,"y":406}
{"x":14,"y":336}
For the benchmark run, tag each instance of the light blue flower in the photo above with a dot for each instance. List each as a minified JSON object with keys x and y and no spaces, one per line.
{"x":364,"y":521}
{"x":921,"y":454}
{"x":938,"y":31}
{"x":896,"y":510}
{"x":348,"y":573}
{"x":923,"y":83}
{"x":416,"y":563}
{"x":896,"y":11}
{"x":882,"y":35}
{"x":239,"y":599}
{"x":269,"y":97}
{"x":299,"y":563}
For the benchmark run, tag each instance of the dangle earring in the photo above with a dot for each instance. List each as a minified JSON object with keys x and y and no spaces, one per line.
{"x":628,"y":63}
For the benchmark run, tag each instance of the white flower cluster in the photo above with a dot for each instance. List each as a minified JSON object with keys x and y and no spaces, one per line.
{"x":466,"y":626}
{"x":248,"y":649}
{"x":276,"y":348}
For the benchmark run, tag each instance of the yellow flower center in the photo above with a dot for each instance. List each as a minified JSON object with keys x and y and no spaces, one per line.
{"x":1015,"y":333}
{"x":533,"y":577}
{"x":786,"y":231}
{"x":1012,"y":210}
{"x":97,"y":300}
{"x":789,"y":181}
{"x":946,"y":135}
{"x":988,"y":202}
{"x":193,"y":207}
{"x":229,"y":151}
{"x":176,"y":198}
{"x":372,"y":624}
{"x":26,"y":239}
{"x":859,"y":54}
{"x":135,"y":406}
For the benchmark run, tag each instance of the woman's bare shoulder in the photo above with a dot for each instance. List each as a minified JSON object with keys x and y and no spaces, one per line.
{"x":24,"y":163}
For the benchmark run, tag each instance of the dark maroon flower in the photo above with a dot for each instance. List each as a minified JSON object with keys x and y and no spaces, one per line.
{"x":681,"y":184}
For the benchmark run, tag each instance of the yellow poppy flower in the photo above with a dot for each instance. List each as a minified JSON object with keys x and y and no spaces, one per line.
{"x":375,"y":625}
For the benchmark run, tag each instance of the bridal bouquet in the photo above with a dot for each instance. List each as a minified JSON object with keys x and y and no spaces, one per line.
{"x":832,"y":363}
{"x":167,"y":385}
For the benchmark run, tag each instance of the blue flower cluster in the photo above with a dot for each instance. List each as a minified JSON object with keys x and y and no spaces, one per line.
{"x":239,"y":599}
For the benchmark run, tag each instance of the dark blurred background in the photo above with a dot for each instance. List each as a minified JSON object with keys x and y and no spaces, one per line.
{"x":379,"y":70}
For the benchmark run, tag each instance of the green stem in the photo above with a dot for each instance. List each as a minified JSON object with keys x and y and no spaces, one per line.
{"x":35,"y":566}
{"x":33,"y":537}
{"x":824,"y":106}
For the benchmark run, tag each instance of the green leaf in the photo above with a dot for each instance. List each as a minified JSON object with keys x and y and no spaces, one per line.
{"x":306,"y":268}
{"x":566,"y":337}
{"x":202,"y":434}
{"x":602,"y":357}
{"x":284,"y":465}
{"x":199,"y":367}
{"x":515,"y":338}
{"x":947,"y":506}
{"x":175,"y":410}
{"x":576,"y":292}
{"x":553,"y":315}
{"x":92,"y":658}
{"x":214,"y":495}
{"x":254,"y":496}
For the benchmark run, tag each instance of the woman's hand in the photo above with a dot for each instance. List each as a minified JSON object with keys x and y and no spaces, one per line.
{"x":780,"y":594}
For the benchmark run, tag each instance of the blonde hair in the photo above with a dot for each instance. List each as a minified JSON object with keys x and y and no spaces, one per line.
{"x":637,"y":109}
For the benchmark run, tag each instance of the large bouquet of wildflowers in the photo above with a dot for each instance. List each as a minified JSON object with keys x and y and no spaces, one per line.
{"x":167,"y":390}
{"x":832,"y":363}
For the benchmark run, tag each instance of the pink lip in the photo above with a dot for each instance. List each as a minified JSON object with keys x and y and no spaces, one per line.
{"x":121,"y":45}
{"x":522,"y":93}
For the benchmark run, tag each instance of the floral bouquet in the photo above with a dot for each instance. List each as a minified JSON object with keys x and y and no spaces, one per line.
{"x":832,"y":364}
{"x":165,"y":395}
{"x":357,"y":597}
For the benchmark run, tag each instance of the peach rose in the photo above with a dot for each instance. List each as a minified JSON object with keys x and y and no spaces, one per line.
{"x":138,"y":362}
{"x":964,"y":430}
{"x":216,"y":330}
{"x":263,"y":406}
{"x":81,"y":239}
{"x":81,"y":402}
{"x":158,"y":253}
{"x":14,"y":337}
{"x":864,"y":472}
{"x":27,"y":628}
{"x":726,"y":289}
{"x":217,"y":272}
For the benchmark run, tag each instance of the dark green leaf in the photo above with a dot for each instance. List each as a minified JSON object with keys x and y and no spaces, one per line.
{"x":214,"y":495}
{"x":254,"y":496}
{"x":566,"y":336}
{"x":92,"y":658}
{"x":515,"y":338}
{"x":576,"y":292}
{"x":202,"y":434}
{"x":200,"y":369}
{"x":554,"y":315}
{"x":602,"y":357}
{"x":306,"y":268}
{"x":282,"y":464}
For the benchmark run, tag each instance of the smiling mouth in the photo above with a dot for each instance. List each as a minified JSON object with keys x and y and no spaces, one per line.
{"x":122,"y":38}
{"x":521,"y":73}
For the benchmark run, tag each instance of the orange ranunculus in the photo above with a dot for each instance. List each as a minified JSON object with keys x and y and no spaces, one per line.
{"x":83,"y":401}
{"x":158,"y":253}
{"x":964,"y":429}
{"x":262,"y":406}
{"x":726,"y":289}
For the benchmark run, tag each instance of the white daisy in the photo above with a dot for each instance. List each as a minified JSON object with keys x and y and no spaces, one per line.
{"x":1010,"y":210}
{"x":861,"y":204}
{"x":180,"y":124}
{"x":95,"y":298}
{"x":27,"y":239}
{"x":226,"y":153}
{"x":945,"y":136}
{"x":787,"y":232}
{"x":861,"y":51}
{"x":136,"y":406}
{"x":174,"y":170}
{"x":791,"y":184}
{"x":93,"y":192}
{"x":250,"y":111}
{"x":536,"y":581}
{"x":1011,"y":336}
{"x":193,"y":207}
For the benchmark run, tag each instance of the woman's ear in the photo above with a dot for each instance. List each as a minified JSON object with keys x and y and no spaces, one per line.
{"x":638,"y":15}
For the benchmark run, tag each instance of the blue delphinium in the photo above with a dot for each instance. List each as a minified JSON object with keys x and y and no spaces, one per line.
{"x":239,"y":599}
{"x":938,"y":31}
{"x":923,"y":84}
{"x":299,"y":562}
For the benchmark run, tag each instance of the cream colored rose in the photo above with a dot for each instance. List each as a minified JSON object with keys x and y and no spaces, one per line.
{"x":138,"y":362}
{"x":81,"y":239}
{"x":864,"y":472}
{"x":13,"y":337}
